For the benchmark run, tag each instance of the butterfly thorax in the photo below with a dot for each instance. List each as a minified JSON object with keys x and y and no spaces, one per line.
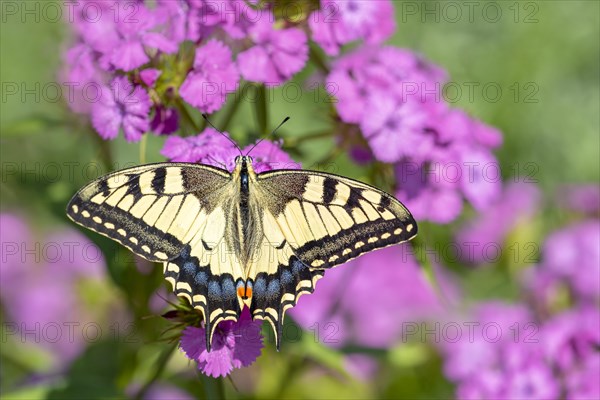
{"x":247,"y":230}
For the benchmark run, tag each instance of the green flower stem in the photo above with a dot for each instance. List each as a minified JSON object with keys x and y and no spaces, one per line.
{"x":420,"y":242}
{"x":233,"y":106}
{"x":187,"y":118}
{"x":381,"y":175}
{"x":295,"y":141}
{"x":104,"y":150}
{"x":261,"y":110}
{"x":160,"y":367}
{"x":213,"y":387}
{"x":316,"y":58}
{"x":143,"y":145}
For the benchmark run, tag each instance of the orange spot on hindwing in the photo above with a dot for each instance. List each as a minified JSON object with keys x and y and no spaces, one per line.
{"x":241,"y":291}
{"x":244,"y":290}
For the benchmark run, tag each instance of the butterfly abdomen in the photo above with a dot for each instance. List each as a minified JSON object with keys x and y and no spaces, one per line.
{"x":244,"y":213}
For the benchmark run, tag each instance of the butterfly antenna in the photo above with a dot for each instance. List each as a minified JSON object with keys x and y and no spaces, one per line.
{"x":221,"y":164}
{"x":216,"y":129}
{"x":286,"y":119}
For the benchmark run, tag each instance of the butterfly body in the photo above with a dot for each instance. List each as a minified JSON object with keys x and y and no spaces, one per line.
{"x":241,"y":239}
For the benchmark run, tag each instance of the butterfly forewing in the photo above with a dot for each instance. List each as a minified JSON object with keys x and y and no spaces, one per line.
{"x":148,"y":209}
{"x":328,"y":219}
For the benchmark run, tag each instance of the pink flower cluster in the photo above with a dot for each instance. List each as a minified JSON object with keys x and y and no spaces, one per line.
{"x":144,"y":66}
{"x":441,"y":155}
{"x":131,"y":61}
{"x":546,"y":346}
{"x":52,"y":267}
{"x":511,"y":353}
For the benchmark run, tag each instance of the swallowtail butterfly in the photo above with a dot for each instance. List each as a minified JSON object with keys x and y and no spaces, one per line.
{"x":241,"y":239}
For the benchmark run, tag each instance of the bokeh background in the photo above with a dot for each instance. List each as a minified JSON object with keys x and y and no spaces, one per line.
{"x":81,"y":316}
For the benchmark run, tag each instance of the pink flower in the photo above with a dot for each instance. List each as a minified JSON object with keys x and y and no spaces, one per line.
{"x":582,"y":198}
{"x":508,"y":355}
{"x":276,"y":56}
{"x":234,"y":345}
{"x":122,"y":38}
{"x":481,"y":179}
{"x":165,"y":120}
{"x":340,"y":22}
{"x":173,"y":19}
{"x":367,"y":301}
{"x":533,"y":382}
{"x":394,"y":129}
{"x":268,"y":156}
{"x":370,"y":72}
{"x":41,"y":288}
{"x":234,"y":17}
{"x":572,"y":255}
{"x":449,"y":163}
{"x":81,"y":75}
{"x":214,"y":75}
{"x":213,"y":148}
{"x":572,"y":336}
{"x":428,"y":196}
{"x":149,"y":76}
{"x":582,"y":383}
{"x":517,"y":204}
{"x":125,"y":106}
{"x":209,"y":147}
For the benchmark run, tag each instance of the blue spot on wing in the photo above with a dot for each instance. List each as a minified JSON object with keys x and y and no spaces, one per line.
{"x":297,"y":266}
{"x":228,"y":289}
{"x":273,"y":288}
{"x":260,"y":287}
{"x":214,"y":290}
{"x":286,"y":277}
{"x":201,"y":278}
{"x":185,"y":253}
{"x":189,"y":267}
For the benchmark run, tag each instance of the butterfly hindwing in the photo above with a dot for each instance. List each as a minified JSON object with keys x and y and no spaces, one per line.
{"x":278,"y":277}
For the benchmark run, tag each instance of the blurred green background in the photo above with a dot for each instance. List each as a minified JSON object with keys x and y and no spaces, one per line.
{"x":544,"y":56}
